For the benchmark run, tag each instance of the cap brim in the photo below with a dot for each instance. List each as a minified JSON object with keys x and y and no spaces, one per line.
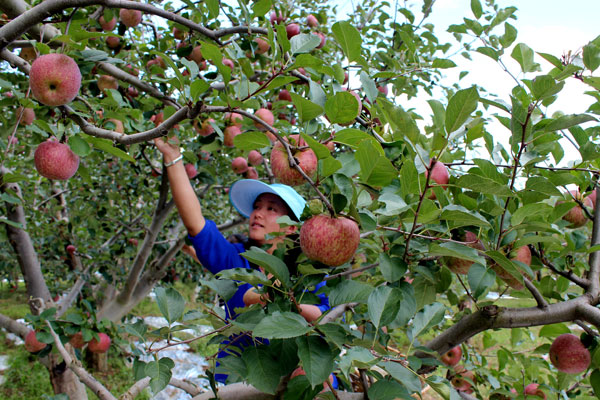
{"x":243,"y":194}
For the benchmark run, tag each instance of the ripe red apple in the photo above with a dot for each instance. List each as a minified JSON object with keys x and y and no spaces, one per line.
{"x":312,"y":21}
{"x":383,"y":89}
{"x":28,"y":54}
{"x":266,"y":115}
{"x":196,"y":55}
{"x":522,"y":254}
{"x":307,"y":160}
{"x":158,"y":118}
{"x":133,"y":241}
{"x":255,"y":158}
{"x":77,"y":340}
{"x":323,"y":39}
{"x":71,"y":249}
{"x":292,"y":30}
{"x":239,"y":165}
{"x":130,"y":69}
{"x":252,"y":173}
{"x":55,"y":160}
{"x":130,"y":18}
{"x":329,"y":240}
{"x":275,"y":18}
{"x":228,"y":62}
{"x":178,"y":33}
{"x":569,"y":355}
{"x":205,"y":128}
{"x":452,"y":356}
{"x":263,"y":46}
{"x":462,"y":379}
{"x":229,"y":133}
{"x":440,"y":175}
{"x":106,"y":82}
{"x":576,"y":216}
{"x":119,"y":128}
{"x":284,"y":95}
{"x":190,"y":170}
{"x":101,"y":346}
{"x":113,"y":42}
{"x":533,"y":390}
{"x":232,"y":118}
{"x":459,"y":265}
{"x":132,"y":91}
{"x":27,"y":115}
{"x":33,"y":345}
{"x":54,"y":79}
{"x":107,"y":26}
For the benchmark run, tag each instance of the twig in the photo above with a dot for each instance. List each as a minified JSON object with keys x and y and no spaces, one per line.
{"x":541,"y":302}
{"x":351,"y":271}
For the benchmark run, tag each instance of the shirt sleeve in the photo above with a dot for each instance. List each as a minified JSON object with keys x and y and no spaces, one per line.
{"x":324,"y":304}
{"x":214,"y":252}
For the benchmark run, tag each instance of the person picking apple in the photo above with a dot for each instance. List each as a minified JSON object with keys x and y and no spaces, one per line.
{"x":262,"y":204}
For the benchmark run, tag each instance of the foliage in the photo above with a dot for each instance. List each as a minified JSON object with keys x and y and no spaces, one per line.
{"x":408,"y":305}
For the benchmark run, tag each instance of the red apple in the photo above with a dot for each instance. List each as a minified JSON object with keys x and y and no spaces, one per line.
{"x":255,"y":158}
{"x":130,"y":18}
{"x":191,"y":170}
{"x":307,"y":160}
{"x":239,"y":165}
{"x":275,"y":18}
{"x":196,"y":55}
{"x":452,"y":356}
{"x":132,"y":91}
{"x":119,"y":128}
{"x":178,"y":33}
{"x":266,"y":115}
{"x":54,"y":79}
{"x":232,"y":118}
{"x":459,"y":265}
{"x":229,"y":133}
{"x":329,"y":240}
{"x":205,"y":128}
{"x":462,"y":379}
{"x":252,"y":173}
{"x":292,"y":30}
{"x":33,"y":345}
{"x":55,"y":160}
{"x":113,"y":42}
{"x":522,"y":254}
{"x":71,"y":249}
{"x":133,"y":241}
{"x":383,"y":89}
{"x":107,"y":26}
{"x":440,"y":175}
{"x":228,"y":62}
{"x":569,"y":355}
{"x":312,"y":21}
{"x":106,"y":82}
{"x":576,"y":216}
{"x":158,"y":118}
{"x":284,"y":95}
{"x":77,"y":340}
{"x":100,"y":346}
{"x":533,"y":390}
{"x":27,"y":115}
{"x":323,"y":39}
{"x":263,"y":46}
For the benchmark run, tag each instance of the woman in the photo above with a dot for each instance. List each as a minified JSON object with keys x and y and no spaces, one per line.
{"x":263,"y":204}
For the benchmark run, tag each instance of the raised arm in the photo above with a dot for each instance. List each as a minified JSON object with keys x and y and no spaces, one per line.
{"x":184,"y":196}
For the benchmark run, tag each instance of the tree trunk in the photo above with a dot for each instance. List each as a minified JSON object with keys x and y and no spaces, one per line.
{"x":64,"y":380}
{"x":97,"y":362}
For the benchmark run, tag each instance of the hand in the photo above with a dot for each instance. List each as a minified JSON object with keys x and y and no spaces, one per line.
{"x":169,"y":148}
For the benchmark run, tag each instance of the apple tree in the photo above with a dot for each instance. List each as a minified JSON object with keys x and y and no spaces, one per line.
{"x":455,"y":211}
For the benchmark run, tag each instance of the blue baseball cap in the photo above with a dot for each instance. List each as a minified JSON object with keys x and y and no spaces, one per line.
{"x":243,"y":194}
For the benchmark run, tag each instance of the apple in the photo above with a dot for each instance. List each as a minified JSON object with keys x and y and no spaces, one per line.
{"x":329,"y":240}
{"x":205,"y":128}
{"x":462,"y":379}
{"x":266,"y":115}
{"x":190,"y":170}
{"x":71,"y":249}
{"x":439,"y":174}
{"x":239,"y":165}
{"x":232,"y":118}
{"x":533,"y":390}
{"x":27,"y":115}
{"x":130,"y":18}
{"x":178,"y":33}
{"x":158,"y":118}
{"x":196,"y":55}
{"x":284,"y":95}
{"x":452,"y":356}
{"x":77,"y":340}
{"x":255,"y":158}
{"x":229,"y":133}
{"x":522,"y":254}
{"x":383,"y":89}
{"x":459,"y":265}
{"x":312,"y":21}
{"x":100,"y":346}
{"x":130,"y":69}
{"x":292,"y":30}
{"x":592,"y":197}
{"x":569,"y":355}
{"x":106,"y":82}
{"x":280,"y":164}
{"x":113,"y":42}
{"x":107,"y":26}
{"x":228,"y":62}
{"x":323,"y":40}
{"x":119,"y":128}
{"x":55,"y":160}
{"x":251,"y":173}
{"x":132,"y":91}
{"x":158,"y":61}
{"x":330,"y":145}
{"x":33,"y":345}
{"x":54,"y":79}
{"x":133,"y":241}
{"x":28,"y":54}
{"x":576,"y":216}
{"x":263,"y":46}
{"x":204,"y":155}
{"x":275,"y":18}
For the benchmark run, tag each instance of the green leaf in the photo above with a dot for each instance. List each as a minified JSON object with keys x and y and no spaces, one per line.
{"x":595,"y":381}
{"x":553,"y":330}
{"x":368,"y":85}
{"x":384,"y":304}
{"x":160,"y":373}
{"x":460,"y":216}
{"x":79,"y":146}
{"x":341,"y":108}
{"x":11,"y":223}
{"x":451,"y":249}
{"x":328,"y":166}
{"x":524,"y":56}
{"x":552,"y":60}
{"x":375,"y":169}
{"x":307,"y":110}
{"x":261,"y":7}
{"x":545,"y":86}
{"x":223,"y":287}
{"x":281,"y":325}
{"x":484,"y":185}
{"x":567,"y":121}
{"x":443,"y":63}
{"x":213,"y":8}
{"x":476,"y":8}
{"x":403,"y":124}
{"x":198,"y":87}
{"x":399,"y":372}
{"x":460,"y":107}
{"x":282,"y":38}
{"x":348,"y":38}
{"x":388,"y":390}
{"x":263,"y":370}
{"x":250,"y":276}
{"x":303,"y":43}
{"x":349,"y":291}
{"x":10,"y":199}
{"x":354,"y":137}
{"x":316,"y":357}
{"x":506,"y":264}
{"x":530,"y":211}
{"x":480,"y":279}
{"x":270,"y":263}
{"x":137,"y":329}
{"x":591,"y":57}
{"x":170,"y":303}
{"x":106,"y":145}
{"x":251,"y":140}
{"x":510,"y":34}
{"x":321,"y":151}
{"x":432,"y":314}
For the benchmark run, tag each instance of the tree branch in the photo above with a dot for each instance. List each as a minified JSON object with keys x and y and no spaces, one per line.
{"x":594,"y":259}
{"x":336,"y":312}
{"x":13,"y":326}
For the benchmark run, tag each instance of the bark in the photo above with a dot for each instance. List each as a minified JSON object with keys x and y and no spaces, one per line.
{"x":64,"y":379}
{"x":242,"y":391}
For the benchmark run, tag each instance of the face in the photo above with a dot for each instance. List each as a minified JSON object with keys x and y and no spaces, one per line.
{"x":263,"y":220}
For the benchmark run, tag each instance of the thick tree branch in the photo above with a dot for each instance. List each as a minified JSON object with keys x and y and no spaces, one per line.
{"x":13,"y":326}
{"x":336,"y":312}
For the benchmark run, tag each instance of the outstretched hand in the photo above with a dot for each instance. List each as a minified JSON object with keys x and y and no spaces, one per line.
{"x":169,"y":147}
